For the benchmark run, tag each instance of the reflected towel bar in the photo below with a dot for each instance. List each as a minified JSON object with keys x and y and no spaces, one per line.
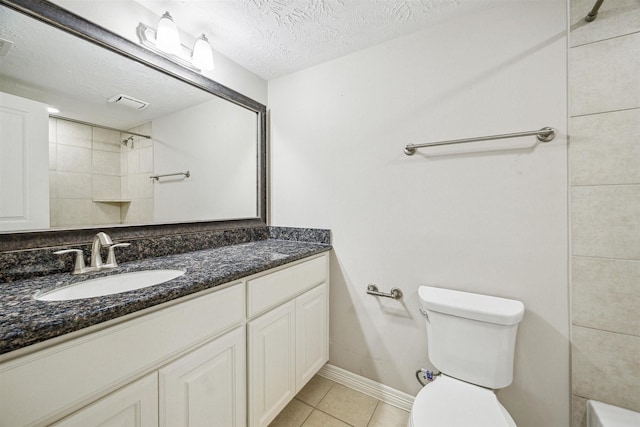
{"x":186,"y":174}
{"x":545,"y":134}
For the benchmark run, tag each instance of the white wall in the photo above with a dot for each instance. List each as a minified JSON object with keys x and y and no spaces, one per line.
{"x":123,"y":16}
{"x":217,"y":142}
{"x":487,"y":217}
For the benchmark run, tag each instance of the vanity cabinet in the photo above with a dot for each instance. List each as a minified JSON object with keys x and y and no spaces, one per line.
{"x":183,"y":363}
{"x":207,"y":386}
{"x":135,"y":405}
{"x":289,"y":343}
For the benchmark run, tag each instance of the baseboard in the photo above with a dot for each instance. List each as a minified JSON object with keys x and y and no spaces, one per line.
{"x":369,"y":387}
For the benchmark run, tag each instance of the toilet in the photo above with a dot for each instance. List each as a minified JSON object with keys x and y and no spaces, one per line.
{"x":471,"y":340}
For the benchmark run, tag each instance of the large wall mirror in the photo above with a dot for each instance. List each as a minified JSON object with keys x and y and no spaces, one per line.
{"x":137,"y":140}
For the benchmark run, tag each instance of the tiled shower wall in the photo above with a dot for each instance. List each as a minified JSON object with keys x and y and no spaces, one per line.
{"x":604,"y":157}
{"x":94,"y":179}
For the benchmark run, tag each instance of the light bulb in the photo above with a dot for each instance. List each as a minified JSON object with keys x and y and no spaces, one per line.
{"x":167,"y":37}
{"x":202,"y":55}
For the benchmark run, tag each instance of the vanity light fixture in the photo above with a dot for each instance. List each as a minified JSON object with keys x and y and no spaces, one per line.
{"x":202,"y":56}
{"x":167,"y":37}
{"x":166,"y":42}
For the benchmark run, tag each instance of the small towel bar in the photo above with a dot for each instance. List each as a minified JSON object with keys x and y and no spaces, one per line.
{"x":395,"y":292}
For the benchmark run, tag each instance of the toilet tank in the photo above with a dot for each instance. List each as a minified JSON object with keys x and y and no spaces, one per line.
{"x":471,"y":336}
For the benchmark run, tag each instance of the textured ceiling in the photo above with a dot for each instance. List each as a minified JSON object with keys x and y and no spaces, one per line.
{"x":275,"y":37}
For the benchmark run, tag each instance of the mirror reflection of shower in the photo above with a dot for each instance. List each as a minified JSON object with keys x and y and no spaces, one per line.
{"x":126,"y":142}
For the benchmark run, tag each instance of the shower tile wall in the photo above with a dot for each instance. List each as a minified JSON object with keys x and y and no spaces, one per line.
{"x":89,"y":176}
{"x":605,"y":205}
{"x":136,"y":166}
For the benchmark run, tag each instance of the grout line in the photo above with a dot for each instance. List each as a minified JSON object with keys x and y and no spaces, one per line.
{"x":606,"y":258}
{"x":605,"y":330}
{"x":374,"y":411}
{"x":606,"y":185}
{"x":604,"y":112}
{"x":605,"y":39}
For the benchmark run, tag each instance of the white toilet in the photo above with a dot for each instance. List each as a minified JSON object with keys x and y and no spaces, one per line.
{"x":471,"y":340}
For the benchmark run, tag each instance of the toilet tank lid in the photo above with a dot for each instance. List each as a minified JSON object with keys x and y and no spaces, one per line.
{"x":468,"y":305}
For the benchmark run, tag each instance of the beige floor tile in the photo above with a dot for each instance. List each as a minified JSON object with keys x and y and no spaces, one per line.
{"x":315,"y":390}
{"x":348,"y":405}
{"x":388,"y":416}
{"x":320,"y":419}
{"x":293,"y":415}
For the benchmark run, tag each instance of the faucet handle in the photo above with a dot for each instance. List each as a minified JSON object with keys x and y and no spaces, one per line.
{"x":79,"y":266}
{"x":111,"y":257}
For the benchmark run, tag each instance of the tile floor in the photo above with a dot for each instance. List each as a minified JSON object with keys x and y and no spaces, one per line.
{"x":324,"y":403}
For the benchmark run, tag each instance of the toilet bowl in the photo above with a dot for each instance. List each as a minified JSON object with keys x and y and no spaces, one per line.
{"x":448,"y":402}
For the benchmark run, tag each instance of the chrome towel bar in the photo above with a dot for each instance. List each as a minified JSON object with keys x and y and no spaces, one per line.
{"x":545,"y":134}
{"x":186,"y":174}
{"x":395,"y":292}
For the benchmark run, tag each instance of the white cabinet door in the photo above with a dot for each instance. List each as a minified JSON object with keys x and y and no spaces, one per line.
{"x":272,"y":365}
{"x":24,"y":164}
{"x":135,"y":405}
{"x":312,"y":342}
{"x":207,"y":386}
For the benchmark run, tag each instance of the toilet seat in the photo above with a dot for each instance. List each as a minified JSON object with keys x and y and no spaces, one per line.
{"x":448,"y":402}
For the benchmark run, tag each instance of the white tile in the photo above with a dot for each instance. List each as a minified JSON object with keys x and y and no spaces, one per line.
{"x":605,"y":221}
{"x":615,"y":18}
{"x":293,"y":415}
{"x":606,"y":367}
{"x":71,"y":185}
{"x":53,"y":130}
{"x":145,"y":211}
{"x":106,"y":213}
{"x":106,"y":162}
{"x":145,"y":186}
{"x":578,"y":411}
{"x":145,"y":160}
{"x":133,"y":160}
{"x":133,"y":187}
{"x":388,"y":416}
{"x":53,"y":156}
{"x":313,"y":392}
{"x":604,"y":75}
{"x":131,"y":213}
{"x":106,"y":187}
{"x":106,"y":140}
{"x":348,"y":405}
{"x":75,"y":134}
{"x":73,"y":159}
{"x":320,"y":419}
{"x":124,"y":162}
{"x":53,"y":213}
{"x":605,"y":294}
{"x":605,"y":148}
{"x":53,"y":184}
{"x":74,"y":212}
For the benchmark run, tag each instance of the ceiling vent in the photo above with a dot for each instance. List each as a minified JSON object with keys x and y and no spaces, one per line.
{"x":5,"y":45}
{"x":129,"y":101}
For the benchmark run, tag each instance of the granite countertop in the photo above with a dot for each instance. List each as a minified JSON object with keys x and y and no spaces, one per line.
{"x":25,"y":321}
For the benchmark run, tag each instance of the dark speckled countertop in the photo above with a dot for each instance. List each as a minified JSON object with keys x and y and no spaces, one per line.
{"x":25,"y":321}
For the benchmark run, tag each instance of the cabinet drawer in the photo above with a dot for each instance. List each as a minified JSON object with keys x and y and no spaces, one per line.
{"x":61,"y":379}
{"x":275,"y":288}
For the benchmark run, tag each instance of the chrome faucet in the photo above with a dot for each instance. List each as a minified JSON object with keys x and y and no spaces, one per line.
{"x":99,"y":240}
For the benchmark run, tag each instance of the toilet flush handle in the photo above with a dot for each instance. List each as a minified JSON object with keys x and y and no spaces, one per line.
{"x":424,"y":313}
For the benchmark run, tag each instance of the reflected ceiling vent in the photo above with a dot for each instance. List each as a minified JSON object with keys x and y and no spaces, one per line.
{"x":129,"y":101}
{"x":5,"y":45}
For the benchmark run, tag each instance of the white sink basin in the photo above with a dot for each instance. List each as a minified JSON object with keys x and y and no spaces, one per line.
{"x":108,"y":285}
